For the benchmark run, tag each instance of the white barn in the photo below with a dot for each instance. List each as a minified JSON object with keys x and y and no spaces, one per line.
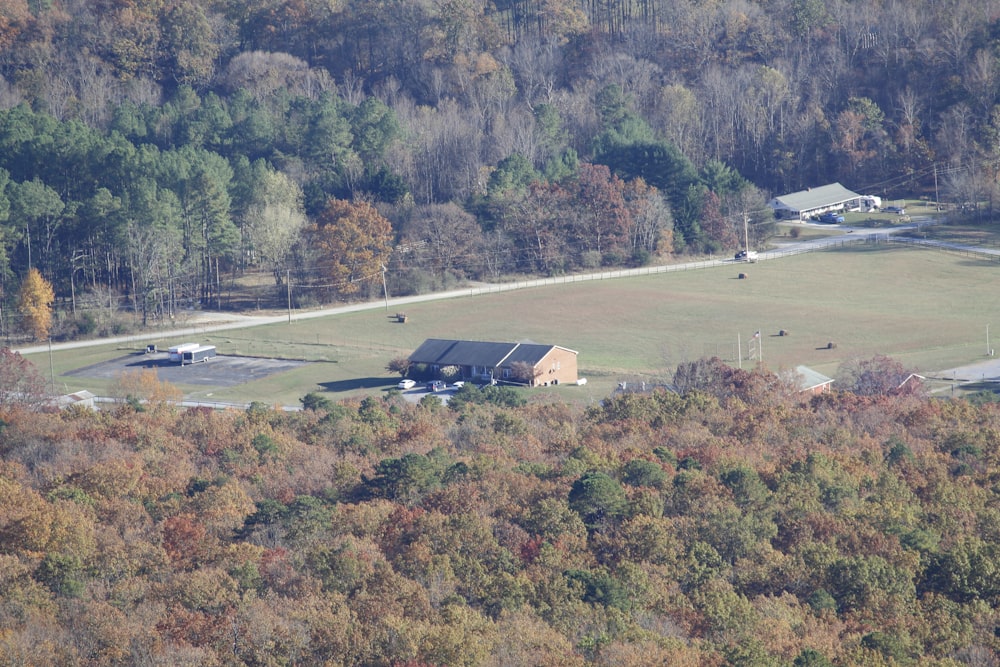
{"x":805,"y":204}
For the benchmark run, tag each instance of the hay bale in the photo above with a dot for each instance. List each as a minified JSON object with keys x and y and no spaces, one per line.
{"x":783,"y":333}
{"x":831,"y":345}
{"x":743,"y":276}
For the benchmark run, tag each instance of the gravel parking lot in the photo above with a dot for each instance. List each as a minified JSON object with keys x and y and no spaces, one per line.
{"x":220,"y":371}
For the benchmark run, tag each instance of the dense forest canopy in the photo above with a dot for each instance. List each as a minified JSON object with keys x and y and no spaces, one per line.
{"x":738,"y":523}
{"x":150,"y":151}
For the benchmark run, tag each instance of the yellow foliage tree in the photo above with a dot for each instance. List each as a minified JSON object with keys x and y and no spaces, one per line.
{"x":146,"y":387}
{"x":34,"y":303}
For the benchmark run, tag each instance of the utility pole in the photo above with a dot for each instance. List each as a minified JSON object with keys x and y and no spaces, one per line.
{"x":288,"y":291}
{"x":52,"y":370}
{"x":937,"y":202}
{"x":385,"y":290}
{"x":746,"y":235}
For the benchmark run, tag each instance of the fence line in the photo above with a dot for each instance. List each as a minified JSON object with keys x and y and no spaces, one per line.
{"x":965,"y":251}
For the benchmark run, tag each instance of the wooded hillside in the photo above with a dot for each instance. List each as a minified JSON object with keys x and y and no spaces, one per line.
{"x":740,"y":523}
{"x":152,"y":152}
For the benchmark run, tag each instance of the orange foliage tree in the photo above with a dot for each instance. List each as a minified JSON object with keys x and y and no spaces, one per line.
{"x":353,"y":242}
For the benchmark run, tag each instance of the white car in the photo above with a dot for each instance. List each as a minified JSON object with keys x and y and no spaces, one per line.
{"x":407,"y":384}
{"x":459,"y":384}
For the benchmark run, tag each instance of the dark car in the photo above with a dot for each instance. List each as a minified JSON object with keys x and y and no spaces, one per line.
{"x":898,"y":210}
{"x":831,"y":218}
{"x":436,"y":385}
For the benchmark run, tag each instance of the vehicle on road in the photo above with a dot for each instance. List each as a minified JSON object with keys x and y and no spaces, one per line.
{"x":831,"y":218}
{"x":898,"y":210}
{"x":407,"y":383}
{"x":435,"y":385}
{"x":459,"y":384}
{"x":746,"y":256}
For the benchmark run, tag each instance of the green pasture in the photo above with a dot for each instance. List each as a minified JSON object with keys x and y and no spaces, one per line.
{"x":927,"y":308}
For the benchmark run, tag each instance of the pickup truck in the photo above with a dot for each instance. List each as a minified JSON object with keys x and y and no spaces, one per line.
{"x":831,"y":218}
{"x":746,"y":256}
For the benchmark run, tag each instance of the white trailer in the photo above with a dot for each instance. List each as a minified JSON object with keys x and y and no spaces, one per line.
{"x":200,"y":353}
{"x":176,"y":353}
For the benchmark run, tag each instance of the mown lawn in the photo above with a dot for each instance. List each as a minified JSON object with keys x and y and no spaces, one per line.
{"x":929,"y":309}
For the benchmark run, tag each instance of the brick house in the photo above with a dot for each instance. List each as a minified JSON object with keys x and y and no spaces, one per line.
{"x":486,"y":361}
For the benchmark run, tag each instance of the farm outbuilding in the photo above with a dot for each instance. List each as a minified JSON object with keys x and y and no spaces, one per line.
{"x":812,"y":381}
{"x":78,"y":399}
{"x":489,"y":361}
{"x":805,"y":204}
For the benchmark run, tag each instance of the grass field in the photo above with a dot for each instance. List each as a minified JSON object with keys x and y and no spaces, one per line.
{"x":926,"y":308}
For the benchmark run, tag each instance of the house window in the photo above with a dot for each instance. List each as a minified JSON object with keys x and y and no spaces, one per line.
{"x":506,"y":373}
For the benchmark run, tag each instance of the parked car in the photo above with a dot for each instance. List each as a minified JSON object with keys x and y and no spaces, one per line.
{"x":436,"y":385}
{"x":898,"y":210}
{"x":407,"y":384}
{"x":831,"y":218}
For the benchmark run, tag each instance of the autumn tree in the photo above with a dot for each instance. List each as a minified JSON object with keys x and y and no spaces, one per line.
{"x":442,"y":239}
{"x":20,"y":382}
{"x":34,"y":303}
{"x":878,"y":376}
{"x":399,"y":365}
{"x":352,"y":241}
{"x":524,"y":371}
{"x":600,"y":218}
{"x":144,"y":386}
{"x":719,"y":232}
{"x":651,"y":228}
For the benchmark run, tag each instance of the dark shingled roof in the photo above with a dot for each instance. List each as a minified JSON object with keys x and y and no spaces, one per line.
{"x":443,"y":352}
{"x":529,"y":352}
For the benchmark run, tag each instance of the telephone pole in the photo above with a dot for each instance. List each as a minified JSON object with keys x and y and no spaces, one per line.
{"x":385,"y":290}
{"x":746,"y":234}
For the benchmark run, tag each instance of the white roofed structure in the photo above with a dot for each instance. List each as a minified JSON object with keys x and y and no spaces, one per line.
{"x":807,"y":203}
